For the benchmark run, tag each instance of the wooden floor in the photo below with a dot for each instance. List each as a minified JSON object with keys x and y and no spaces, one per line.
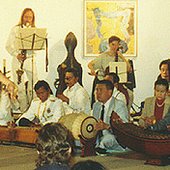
{"x":14,"y":157}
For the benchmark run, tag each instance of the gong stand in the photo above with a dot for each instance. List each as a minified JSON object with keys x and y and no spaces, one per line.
{"x":88,"y":136}
{"x":88,"y":146}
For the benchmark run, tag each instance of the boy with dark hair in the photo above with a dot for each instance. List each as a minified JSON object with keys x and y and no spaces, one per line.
{"x":44,"y":109}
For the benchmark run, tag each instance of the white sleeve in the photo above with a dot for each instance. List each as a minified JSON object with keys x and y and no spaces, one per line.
{"x":30,"y":113}
{"x":5,"y":105}
{"x":121,"y":97}
{"x":121,"y":110}
{"x":83,"y":102}
{"x":67,"y":109}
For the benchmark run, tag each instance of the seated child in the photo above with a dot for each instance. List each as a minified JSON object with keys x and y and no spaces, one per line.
{"x":155,"y":114}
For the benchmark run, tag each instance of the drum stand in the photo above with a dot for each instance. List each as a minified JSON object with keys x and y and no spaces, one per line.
{"x":88,"y":146}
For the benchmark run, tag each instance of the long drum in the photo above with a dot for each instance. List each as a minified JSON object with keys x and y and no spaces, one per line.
{"x":18,"y":134}
{"x":80,"y":124}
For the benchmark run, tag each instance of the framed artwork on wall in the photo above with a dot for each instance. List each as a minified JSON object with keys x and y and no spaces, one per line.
{"x":104,"y":18}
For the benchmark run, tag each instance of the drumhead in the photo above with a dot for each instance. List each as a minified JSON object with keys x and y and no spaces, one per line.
{"x":87,"y":128}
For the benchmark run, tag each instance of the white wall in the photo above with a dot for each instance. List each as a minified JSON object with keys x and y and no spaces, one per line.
{"x":63,"y":16}
{"x":153,"y":43}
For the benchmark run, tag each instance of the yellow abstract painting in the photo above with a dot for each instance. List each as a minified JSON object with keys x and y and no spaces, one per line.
{"x":102,"y":19}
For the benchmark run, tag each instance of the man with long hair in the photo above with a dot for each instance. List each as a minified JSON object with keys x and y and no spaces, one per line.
{"x":23,"y":66}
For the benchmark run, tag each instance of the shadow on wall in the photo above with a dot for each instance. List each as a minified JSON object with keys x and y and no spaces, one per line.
{"x":57,"y":54}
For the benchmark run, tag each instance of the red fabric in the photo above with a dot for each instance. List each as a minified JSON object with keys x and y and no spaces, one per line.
{"x":158,"y":112}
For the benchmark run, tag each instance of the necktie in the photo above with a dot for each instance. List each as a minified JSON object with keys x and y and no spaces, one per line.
{"x":102,"y":113}
{"x":101,"y":117}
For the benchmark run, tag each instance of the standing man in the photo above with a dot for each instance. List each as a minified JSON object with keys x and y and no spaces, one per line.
{"x":44,"y":109}
{"x":99,"y":65}
{"x":102,"y":110}
{"x":101,"y":62}
{"x":23,"y":66}
{"x":75,"y":95}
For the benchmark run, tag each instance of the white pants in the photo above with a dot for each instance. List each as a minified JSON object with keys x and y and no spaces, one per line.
{"x":109,"y":142}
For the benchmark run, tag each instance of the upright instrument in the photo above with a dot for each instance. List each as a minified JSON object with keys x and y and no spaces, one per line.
{"x":69,"y":62}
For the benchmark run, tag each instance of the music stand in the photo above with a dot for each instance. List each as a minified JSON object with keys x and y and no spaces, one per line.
{"x":32,"y":39}
{"x":120,"y":68}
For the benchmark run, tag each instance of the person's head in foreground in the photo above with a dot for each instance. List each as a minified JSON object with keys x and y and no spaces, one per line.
{"x":88,"y":165}
{"x":53,"y":146}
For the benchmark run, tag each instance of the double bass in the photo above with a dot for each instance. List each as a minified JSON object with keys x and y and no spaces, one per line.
{"x":70,"y":62}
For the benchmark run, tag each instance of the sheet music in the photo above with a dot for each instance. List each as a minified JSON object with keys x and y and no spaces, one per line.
{"x":120,"y":68}
{"x":31,"y":38}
